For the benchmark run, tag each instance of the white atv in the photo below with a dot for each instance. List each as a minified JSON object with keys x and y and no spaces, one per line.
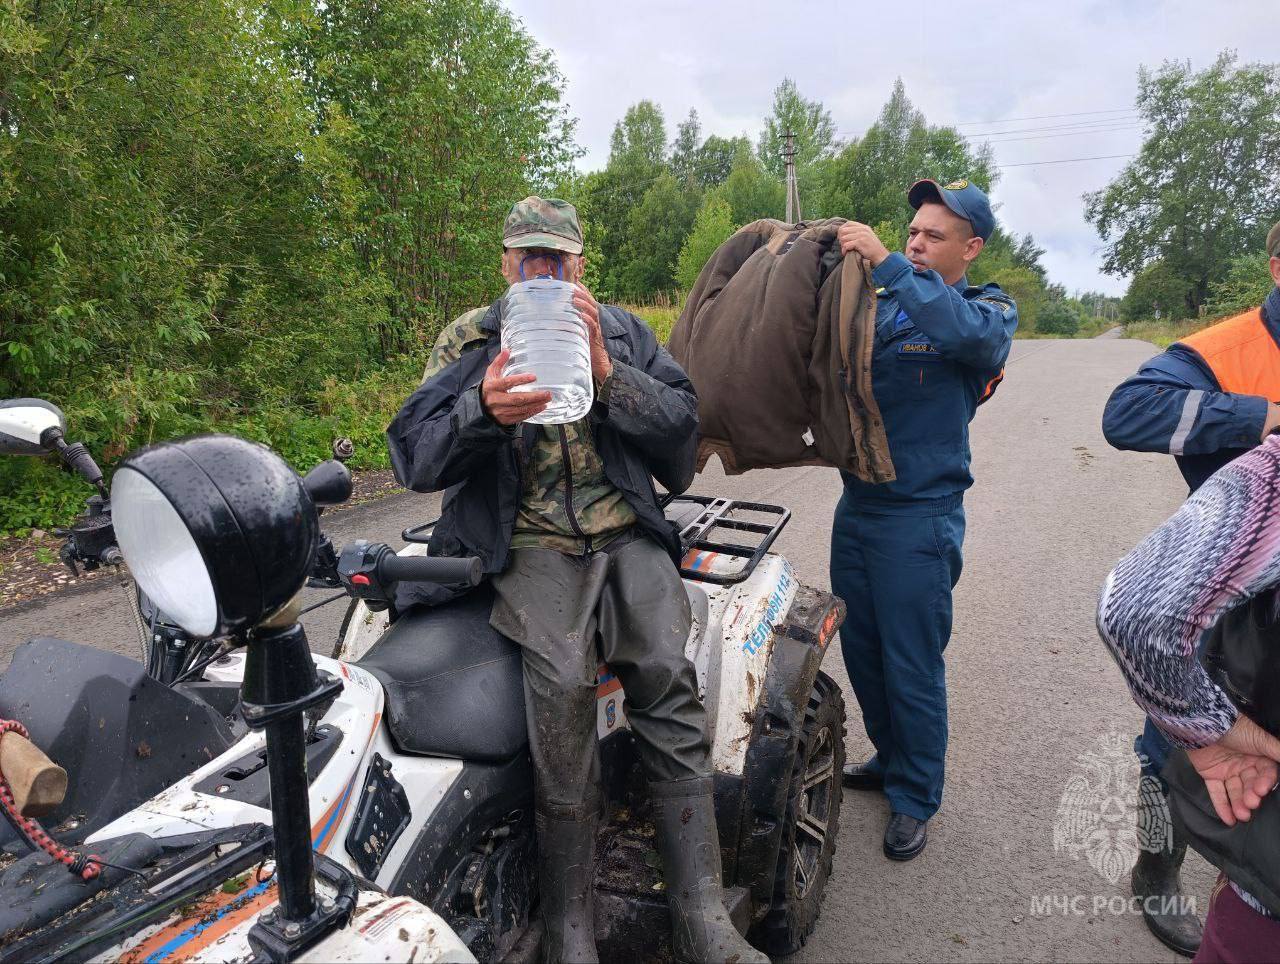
{"x":378,"y":805}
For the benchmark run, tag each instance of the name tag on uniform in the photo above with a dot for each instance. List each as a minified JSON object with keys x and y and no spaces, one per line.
{"x":918,"y":351}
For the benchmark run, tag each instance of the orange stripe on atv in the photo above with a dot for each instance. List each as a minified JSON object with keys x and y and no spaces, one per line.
{"x":219,"y":926}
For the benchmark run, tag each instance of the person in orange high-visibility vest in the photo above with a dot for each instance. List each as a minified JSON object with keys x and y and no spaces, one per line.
{"x":1206,"y":400}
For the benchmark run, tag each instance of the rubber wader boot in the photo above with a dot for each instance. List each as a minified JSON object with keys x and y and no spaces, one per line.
{"x":701,"y":931}
{"x":566,"y":864}
{"x":1169,"y":914}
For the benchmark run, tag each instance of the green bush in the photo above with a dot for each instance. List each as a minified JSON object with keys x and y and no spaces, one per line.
{"x":711,"y":228}
{"x":252,"y":218}
{"x":38,"y":493}
{"x":1157,"y":289}
{"x":1247,"y":283}
{"x":1058,"y":318}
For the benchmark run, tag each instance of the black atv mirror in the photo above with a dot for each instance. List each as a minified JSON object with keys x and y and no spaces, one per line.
{"x":329,"y":483}
{"x":218,"y":531}
{"x":25,"y":424}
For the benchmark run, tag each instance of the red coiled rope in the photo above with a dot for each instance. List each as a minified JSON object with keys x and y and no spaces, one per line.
{"x":87,"y":868}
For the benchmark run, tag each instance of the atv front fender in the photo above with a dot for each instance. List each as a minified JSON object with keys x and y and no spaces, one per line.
{"x":754,"y":827}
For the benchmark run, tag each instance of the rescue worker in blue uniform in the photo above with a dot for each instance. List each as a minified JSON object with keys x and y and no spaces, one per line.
{"x":940,"y":349}
{"x":1205,"y":400}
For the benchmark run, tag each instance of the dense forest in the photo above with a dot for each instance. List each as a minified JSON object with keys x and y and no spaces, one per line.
{"x":255,"y":216}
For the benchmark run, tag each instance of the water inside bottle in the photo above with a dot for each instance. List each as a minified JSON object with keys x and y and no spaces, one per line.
{"x":544,"y":334}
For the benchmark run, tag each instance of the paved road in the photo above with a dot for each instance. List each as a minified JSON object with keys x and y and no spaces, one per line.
{"x":1031,"y":687}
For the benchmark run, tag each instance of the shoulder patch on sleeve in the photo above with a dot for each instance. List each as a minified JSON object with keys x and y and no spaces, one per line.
{"x":992,"y":295}
{"x":457,"y":338}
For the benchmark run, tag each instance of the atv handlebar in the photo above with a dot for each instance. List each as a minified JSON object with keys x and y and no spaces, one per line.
{"x":466,"y":570}
{"x":370,"y":571}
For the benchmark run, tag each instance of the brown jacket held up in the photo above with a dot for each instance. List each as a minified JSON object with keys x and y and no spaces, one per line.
{"x":776,"y":337}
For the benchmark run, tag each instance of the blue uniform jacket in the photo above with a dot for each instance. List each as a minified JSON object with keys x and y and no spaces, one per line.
{"x":1175,"y":405}
{"x":937,"y":349}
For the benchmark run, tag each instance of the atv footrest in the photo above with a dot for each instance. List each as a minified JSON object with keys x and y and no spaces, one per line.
{"x":633,"y":920}
{"x":630,"y":927}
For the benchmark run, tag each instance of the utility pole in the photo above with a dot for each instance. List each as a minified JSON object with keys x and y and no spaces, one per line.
{"x":793,"y":190}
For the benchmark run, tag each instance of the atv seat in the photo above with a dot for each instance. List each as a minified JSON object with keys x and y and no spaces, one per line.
{"x":454,"y":684}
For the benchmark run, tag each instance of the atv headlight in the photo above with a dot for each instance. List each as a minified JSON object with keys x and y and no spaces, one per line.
{"x":219,"y":532}
{"x":162,"y":554}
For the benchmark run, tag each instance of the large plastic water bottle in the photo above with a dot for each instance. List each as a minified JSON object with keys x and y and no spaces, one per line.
{"x":546,"y":337}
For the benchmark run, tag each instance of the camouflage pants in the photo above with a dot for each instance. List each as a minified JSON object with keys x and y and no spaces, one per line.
{"x":624,"y":604}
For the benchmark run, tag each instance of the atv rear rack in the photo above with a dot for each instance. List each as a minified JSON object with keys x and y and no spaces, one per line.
{"x":704,"y":559}
{"x":710,"y":560}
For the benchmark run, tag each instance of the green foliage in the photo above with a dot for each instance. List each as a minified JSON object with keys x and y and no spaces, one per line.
{"x":1159,"y":292}
{"x":450,"y":113}
{"x":1246,"y":283}
{"x":254,"y":216}
{"x":637,"y":158}
{"x":716,"y":158}
{"x":656,"y":227}
{"x":868,"y":180}
{"x":814,"y":136}
{"x":1205,"y":186}
{"x":891,"y":235}
{"x":1162,"y":334}
{"x":641,"y":135}
{"x":751,"y":192}
{"x":1027,"y":254}
{"x":579,"y":190}
{"x":243,"y":216}
{"x":661,"y":315}
{"x":711,"y":227}
{"x":1057,"y":317}
{"x":685,"y":149}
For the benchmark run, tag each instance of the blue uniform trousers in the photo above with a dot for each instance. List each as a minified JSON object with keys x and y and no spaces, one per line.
{"x":895,"y":573}
{"x":1153,"y":749}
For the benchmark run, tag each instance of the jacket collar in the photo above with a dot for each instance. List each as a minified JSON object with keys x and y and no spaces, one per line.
{"x":1271,"y":313}
{"x":609,"y":324}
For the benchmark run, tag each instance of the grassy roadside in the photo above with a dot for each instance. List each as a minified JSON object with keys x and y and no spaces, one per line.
{"x":661,"y":317}
{"x":1162,"y":334}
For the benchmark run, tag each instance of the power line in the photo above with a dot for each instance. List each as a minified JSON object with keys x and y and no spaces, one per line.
{"x":1064,"y":160}
{"x":1040,"y":137}
{"x":980,"y":135}
{"x":1010,"y":120}
{"x":713,"y":164}
{"x":1056,"y":127}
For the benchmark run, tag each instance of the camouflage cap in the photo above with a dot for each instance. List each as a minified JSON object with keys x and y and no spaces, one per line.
{"x":539,"y":222}
{"x":1273,"y":241}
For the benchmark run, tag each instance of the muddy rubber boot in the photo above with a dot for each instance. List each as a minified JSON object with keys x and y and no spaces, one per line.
{"x":701,"y":931}
{"x":566,"y":876}
{"x":1169,"y":914}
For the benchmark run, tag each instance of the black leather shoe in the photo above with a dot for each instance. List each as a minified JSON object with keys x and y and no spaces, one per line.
{"x":905,"y":837}
{"x":860,"y":776}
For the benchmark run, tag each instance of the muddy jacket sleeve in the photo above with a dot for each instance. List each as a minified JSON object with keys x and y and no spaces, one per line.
{"x":653,"y":406}
{"x":442,"y":433}
{"x":1173,"y":405}
{"x":973,"y":331}
{"x":1217,"y":552}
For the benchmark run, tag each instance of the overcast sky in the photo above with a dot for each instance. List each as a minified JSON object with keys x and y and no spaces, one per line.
{"x":983,"y":65}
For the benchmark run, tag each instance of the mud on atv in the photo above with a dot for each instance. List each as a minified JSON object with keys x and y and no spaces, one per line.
{"x":454,"y":688}
{"x":413,"y":759}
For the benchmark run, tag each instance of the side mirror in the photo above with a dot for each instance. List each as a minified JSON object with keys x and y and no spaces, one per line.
{"x":329,"y":483}
{"x":24,"y":422}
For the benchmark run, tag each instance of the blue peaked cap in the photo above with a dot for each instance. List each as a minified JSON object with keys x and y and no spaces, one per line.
{"x":963,"y":198}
